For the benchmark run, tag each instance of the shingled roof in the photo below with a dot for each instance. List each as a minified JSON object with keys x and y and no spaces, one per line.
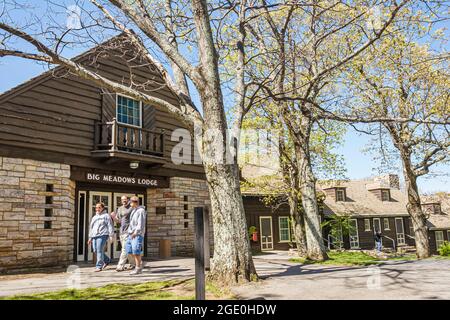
{"x":361,"y":202}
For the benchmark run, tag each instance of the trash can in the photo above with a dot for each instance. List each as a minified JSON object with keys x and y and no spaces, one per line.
{"x":164,"y":248}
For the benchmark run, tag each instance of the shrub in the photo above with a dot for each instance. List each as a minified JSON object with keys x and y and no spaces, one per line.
{"x":444,"y":249}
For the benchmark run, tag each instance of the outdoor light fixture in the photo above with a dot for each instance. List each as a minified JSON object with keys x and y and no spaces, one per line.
{"x":134,"y":164}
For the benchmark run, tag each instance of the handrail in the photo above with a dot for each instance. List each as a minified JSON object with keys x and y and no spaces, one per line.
{"x":114,"y":136}
{"x":410,"y":237}
{"x":393,"y":241}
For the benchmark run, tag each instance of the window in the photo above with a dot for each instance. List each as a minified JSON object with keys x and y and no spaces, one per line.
{"x":386,"y":224}
{"x":366,"y":224}
{"x":340,"y":195}
{"x":439,"y":238}
{"x":385,"y":195}
{"x":285,"y":232}
{"x":353,"y":233}
{"x":376,"y":224}
{"x":448,"y":235}
{"x":437,"y":209}
{"x":129,"y":111}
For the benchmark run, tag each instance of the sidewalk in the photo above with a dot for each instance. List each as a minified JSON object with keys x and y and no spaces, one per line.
{"x":82,"y":276}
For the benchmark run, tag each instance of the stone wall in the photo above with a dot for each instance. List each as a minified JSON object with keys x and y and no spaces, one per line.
{"x":36,"y":214}
{"x":177,"y":223}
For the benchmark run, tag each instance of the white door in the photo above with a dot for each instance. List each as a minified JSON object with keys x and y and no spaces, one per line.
{"x":265,"y":224}
{"x":353,"y":233}
{"x":117,"y":246}
{"x":399,"y":229}
{"x":94,"y":198}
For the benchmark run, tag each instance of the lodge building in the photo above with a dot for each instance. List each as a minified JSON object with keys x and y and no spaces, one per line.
{"x":66,"y":144}
{"x":370,"y":204}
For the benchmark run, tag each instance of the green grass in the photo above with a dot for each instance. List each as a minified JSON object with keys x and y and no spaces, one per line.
{"x":163,"y":290}
{"x":345,"y":258}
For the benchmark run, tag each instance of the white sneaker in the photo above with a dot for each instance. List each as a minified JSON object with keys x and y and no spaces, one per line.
{"x":136,"y":271}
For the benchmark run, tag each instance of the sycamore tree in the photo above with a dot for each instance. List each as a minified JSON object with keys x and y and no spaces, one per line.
{"x":403,"y":78}
{"x":281,"y":186}
{"x":303,"y":50}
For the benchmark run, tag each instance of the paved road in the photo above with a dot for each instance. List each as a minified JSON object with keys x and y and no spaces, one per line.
{"x":428,"y":279}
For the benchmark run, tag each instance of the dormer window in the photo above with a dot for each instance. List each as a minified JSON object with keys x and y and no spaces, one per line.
{"x":385,"y":195}
{"x":437,"y":208}
{"x":432,"y":208}
{"x":340,"y":194}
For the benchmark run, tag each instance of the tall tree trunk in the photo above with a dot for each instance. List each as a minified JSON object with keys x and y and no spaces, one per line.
{"x":298,"y":225}
{"x":316,"y":248}
{"x":232,"y":261}
{"x":414,"y":208}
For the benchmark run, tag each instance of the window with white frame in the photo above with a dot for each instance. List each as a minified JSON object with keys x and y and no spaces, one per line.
{"x":385,"y":195}
{"x":129,"y":111}
{"x":386,"y":224}
{"x":285,"y":230}
{"x":366,"y":224}
{"x":439,"y":238}
{"x":340,"y":195}
{"x":376,"y":225}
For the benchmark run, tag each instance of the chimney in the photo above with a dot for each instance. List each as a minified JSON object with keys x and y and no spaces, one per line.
{"x":391,"y":181}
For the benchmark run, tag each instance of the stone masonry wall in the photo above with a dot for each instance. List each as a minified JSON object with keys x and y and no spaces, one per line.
{"x":33,"y":195}
{"x":177,"y":224}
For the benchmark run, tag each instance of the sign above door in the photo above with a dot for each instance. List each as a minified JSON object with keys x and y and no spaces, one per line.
{"x":120,"y":179}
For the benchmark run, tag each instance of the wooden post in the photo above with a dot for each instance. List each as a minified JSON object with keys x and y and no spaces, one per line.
{"x":199,"y":254}
{"x":207,"y":248}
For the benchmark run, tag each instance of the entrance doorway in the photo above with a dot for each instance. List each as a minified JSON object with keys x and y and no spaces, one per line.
{"x":266,"y":233}
{"x":87,"y":199}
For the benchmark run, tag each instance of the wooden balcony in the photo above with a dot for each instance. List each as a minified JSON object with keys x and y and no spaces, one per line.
{"x":114,"y":139}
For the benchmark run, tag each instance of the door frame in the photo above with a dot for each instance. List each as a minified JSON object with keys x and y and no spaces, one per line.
{"x":82,"y":186}
{"x":90,"y":255}
{"x":271,"y":232}
{"x":357,"y":235}
{"x":397,"y":233}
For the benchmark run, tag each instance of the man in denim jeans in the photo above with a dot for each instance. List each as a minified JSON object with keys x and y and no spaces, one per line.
{"x":136,"y":232}
{"x":101,"y":228}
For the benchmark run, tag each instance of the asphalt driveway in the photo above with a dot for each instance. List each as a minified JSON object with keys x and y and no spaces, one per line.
{"x":429,"y":279}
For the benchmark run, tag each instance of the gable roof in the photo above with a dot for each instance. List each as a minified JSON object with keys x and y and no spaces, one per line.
{"x":34,"y":81}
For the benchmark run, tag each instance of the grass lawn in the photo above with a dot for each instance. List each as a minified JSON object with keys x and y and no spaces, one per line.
{"x":351,"y":258}
{"x":163,"y":290}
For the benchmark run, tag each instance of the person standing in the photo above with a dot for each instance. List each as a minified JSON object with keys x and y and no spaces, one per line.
{"x":378,"y":241}
{"x":136,"y":232}
{"x":101,"y":229}
{"x":123,"y":216}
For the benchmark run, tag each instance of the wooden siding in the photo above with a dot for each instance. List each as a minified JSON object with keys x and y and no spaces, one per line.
{"x":254,"y":209}
{"x":55,"y":116}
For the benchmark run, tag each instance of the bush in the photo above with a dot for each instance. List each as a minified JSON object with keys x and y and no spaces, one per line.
{"x":444,"y":249}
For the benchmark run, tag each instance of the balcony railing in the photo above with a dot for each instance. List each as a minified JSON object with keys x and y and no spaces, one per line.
{"x":115,"y":136}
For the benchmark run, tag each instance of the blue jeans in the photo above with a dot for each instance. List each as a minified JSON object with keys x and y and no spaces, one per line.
{"x":99,"y":246}
{"x":378,"y":245}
